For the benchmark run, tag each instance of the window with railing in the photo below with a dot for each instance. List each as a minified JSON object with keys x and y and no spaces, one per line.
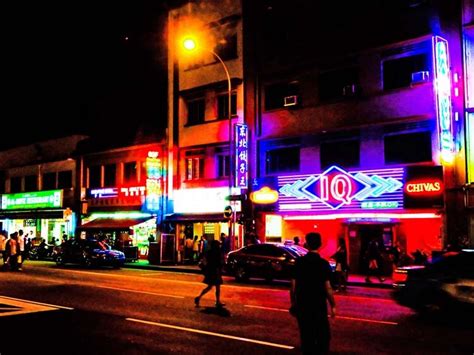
{"x":223,"y":106}
{"x":196,"y":111}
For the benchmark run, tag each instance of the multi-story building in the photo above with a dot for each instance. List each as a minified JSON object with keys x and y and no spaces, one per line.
{"x":38,"y":186}
{"x":356,"y":117}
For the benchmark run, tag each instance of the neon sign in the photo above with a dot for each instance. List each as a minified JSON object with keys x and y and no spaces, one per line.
{"x":424,"y":187}
{"x":153,"y":181}
{"x":33,"y":200}
{"x":337,"y":188}
{"x":104,"y":193}
{"x":442,"y":89}
{"x":241,"y":155}
{"x":264,"y":196}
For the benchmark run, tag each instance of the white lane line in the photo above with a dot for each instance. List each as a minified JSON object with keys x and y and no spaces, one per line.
{"x":337,"y":317}
{"x":134,"y":291}
{"x":38,"y":303}
{"x":275,"y":345}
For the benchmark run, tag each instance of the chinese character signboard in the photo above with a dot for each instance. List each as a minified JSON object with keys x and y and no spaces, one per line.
{"x":33,"y":200}
{"x":241,"y":155}
{"x":153,"y":181}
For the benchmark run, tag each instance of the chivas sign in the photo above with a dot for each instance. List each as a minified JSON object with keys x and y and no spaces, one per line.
{"x":424,"y":187}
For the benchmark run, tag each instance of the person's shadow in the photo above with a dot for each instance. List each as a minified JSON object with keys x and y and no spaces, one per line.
{"x":219,"y":311}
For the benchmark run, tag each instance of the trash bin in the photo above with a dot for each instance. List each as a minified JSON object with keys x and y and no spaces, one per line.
{"x":154,"y":253}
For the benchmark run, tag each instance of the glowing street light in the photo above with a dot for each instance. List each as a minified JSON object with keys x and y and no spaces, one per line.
{"x":191,"y":45}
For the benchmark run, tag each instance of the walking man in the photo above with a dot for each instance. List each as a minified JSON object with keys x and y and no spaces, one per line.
{"x":310,"y":291}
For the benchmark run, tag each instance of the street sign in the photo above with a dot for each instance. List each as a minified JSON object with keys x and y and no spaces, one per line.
{"x":228,"y":212}
{"x":241,"y":197}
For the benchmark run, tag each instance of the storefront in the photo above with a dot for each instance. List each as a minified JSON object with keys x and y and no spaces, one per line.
{"x":200,"y":212}
{"x":398,"y":205}
{"x":40,"y":214}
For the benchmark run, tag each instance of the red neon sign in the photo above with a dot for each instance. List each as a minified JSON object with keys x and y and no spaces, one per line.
{"x":424,"y":187}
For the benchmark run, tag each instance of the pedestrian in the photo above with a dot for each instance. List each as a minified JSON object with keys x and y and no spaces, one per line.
{"x":296,"y":240}
{"x":310,"y":291}
{"x":13,"y":251}
{"x":225,"y":243}
{"x":342,"y":267}
{"x":188,"y":249}
{"x":395,"y":253}
{"x":21,"y":249}
{"x":212,"y":269}
{"x":196,"y":248}
{"x":374,"y":259}
{"x":3,"y":245}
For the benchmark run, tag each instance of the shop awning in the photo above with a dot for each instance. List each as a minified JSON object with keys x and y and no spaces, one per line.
{"x":112,"y":223}
{"x":195,"y":217}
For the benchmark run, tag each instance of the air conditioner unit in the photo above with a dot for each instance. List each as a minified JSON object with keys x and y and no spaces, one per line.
{"x":349,"y":90}
{"x":420,"y":77}
{"x":290,"y":100}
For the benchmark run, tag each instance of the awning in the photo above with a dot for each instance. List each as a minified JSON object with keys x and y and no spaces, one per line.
{"x":31,"y":214}
{"x":113,"y":223}
{"x":195,"y":217}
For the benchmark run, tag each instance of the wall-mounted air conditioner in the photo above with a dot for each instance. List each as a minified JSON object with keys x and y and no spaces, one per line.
{"x":349,"y":90}
{"x":290,"y":100}
{"x":420,"y":77}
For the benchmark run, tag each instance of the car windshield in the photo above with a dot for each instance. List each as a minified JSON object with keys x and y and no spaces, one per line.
{"x":99,"y":245}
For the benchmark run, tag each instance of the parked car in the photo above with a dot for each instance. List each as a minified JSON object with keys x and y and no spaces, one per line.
{"x":267,"y":260}
{"x":446,"y":282}
{"x":89,"y":252}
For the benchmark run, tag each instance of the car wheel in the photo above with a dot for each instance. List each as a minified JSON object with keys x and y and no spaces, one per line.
{"x":88,"y":262}
{"x":240,"y":273}
{"x":59,"y":260}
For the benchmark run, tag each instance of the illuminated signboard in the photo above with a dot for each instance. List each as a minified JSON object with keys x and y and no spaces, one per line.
{"x":33,"y":200}
{"x":338,"y":189}
{"x":203,"y":200}
{"x":110,"y":192}
{"x":153,"y":181}
{"x":424,"y":187}
{"x":103,"y":193}
{"x":241,"y":155}
{"x":442,"y":88}
{"x":264,"y":196}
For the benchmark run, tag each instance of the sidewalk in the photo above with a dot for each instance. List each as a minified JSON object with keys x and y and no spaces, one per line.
{"x":354,"y":280}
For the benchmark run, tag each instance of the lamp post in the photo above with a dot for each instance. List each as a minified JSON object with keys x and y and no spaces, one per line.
{"x":190,"y":45}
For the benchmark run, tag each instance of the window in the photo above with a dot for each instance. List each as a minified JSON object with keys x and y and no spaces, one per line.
{"x":223,"y":106}
{"x":194,"y":168}
{"x":408,"y":148}
{"x":130,"y":172}
{"x":15,"y":184}
{"x":110,"y":175}
{"x":196,"y":111}
{"x":282,"y":160}
{"x":31,"y":183}
{"x":342,"y":153}
{"x":223,"y":165}
{"x":49,"y":181}
{"x":94,"y":176}
{"x":397,"y":72}
{"x":65,"y":179}
{"x":275,"y":94}
{"x":338,"y":84}
{"x":227,"y":47}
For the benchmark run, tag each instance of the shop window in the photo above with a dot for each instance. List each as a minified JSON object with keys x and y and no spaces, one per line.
{"x":275,"y":94}
{"x":338,"y":84}
{"x":130,"y":172}
{"x":49,"y":181}
{"x":196,"y":111}
{"x":31,"y":183}
{"x":283,"y":160}
{"x":65,"y":179}
{"x":408,"y":148}
{"x":15,"y":184}
{"x":223,"y":106}
{"x":110,"y":175}
{"x":226,"y":49}
{"x":194,"y":168}
{"x":223,"y":165}
{"x":397,"y":73}
{"x":342,"y":153}
{"x":94,"y":176}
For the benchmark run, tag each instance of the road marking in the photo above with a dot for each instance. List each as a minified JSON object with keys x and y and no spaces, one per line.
{"x":275,"y":345}
{"x":37,"y":303}
{"x":337,"y":317}
{"x":134,"y":291}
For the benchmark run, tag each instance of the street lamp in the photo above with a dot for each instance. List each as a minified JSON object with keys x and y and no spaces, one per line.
{"x":190,"y":45}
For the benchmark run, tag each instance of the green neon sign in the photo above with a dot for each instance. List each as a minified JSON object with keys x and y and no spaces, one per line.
{"x":33,"y":200}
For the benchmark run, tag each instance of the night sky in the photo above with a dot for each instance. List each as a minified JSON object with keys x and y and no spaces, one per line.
{"x":82,"y":67}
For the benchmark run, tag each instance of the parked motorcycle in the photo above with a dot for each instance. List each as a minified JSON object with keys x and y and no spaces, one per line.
{"x":42,"y":252}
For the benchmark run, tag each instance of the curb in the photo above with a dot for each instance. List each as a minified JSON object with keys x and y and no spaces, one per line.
{"x":387,"y":285}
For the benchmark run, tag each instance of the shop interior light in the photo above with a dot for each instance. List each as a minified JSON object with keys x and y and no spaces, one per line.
{"x":323,"y":217}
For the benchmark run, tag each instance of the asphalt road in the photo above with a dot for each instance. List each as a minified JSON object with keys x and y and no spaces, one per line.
{"x":71,"y":310}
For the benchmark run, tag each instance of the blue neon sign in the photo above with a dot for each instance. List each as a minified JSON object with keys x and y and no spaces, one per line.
{"x":241,"y":155}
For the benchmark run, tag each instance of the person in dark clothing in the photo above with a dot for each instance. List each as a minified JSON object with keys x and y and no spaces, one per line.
{"x":310,"y":291}
{"x":342,"y":267}
{"x":374,"y":258}
{"x":212,"y":269}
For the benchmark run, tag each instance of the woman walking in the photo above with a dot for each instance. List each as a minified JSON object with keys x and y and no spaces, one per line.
{"x":212,"y":269}
{"x":342,"y":267}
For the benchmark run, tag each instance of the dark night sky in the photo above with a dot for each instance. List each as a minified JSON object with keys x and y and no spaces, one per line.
{"x":70,"y":69}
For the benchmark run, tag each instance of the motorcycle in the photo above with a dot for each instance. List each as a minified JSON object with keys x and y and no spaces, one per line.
{"x":42,"y":252}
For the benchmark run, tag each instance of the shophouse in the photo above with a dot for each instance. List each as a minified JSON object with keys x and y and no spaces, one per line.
{"x":38,"y":183}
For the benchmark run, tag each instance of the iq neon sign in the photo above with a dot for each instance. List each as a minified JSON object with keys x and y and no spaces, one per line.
{"x":337,"y":188}
{"x":442,"y":88}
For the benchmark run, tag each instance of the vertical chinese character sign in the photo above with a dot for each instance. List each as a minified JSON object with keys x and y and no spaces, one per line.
{"x":153,"y":181}
{"x":241,"y":155}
